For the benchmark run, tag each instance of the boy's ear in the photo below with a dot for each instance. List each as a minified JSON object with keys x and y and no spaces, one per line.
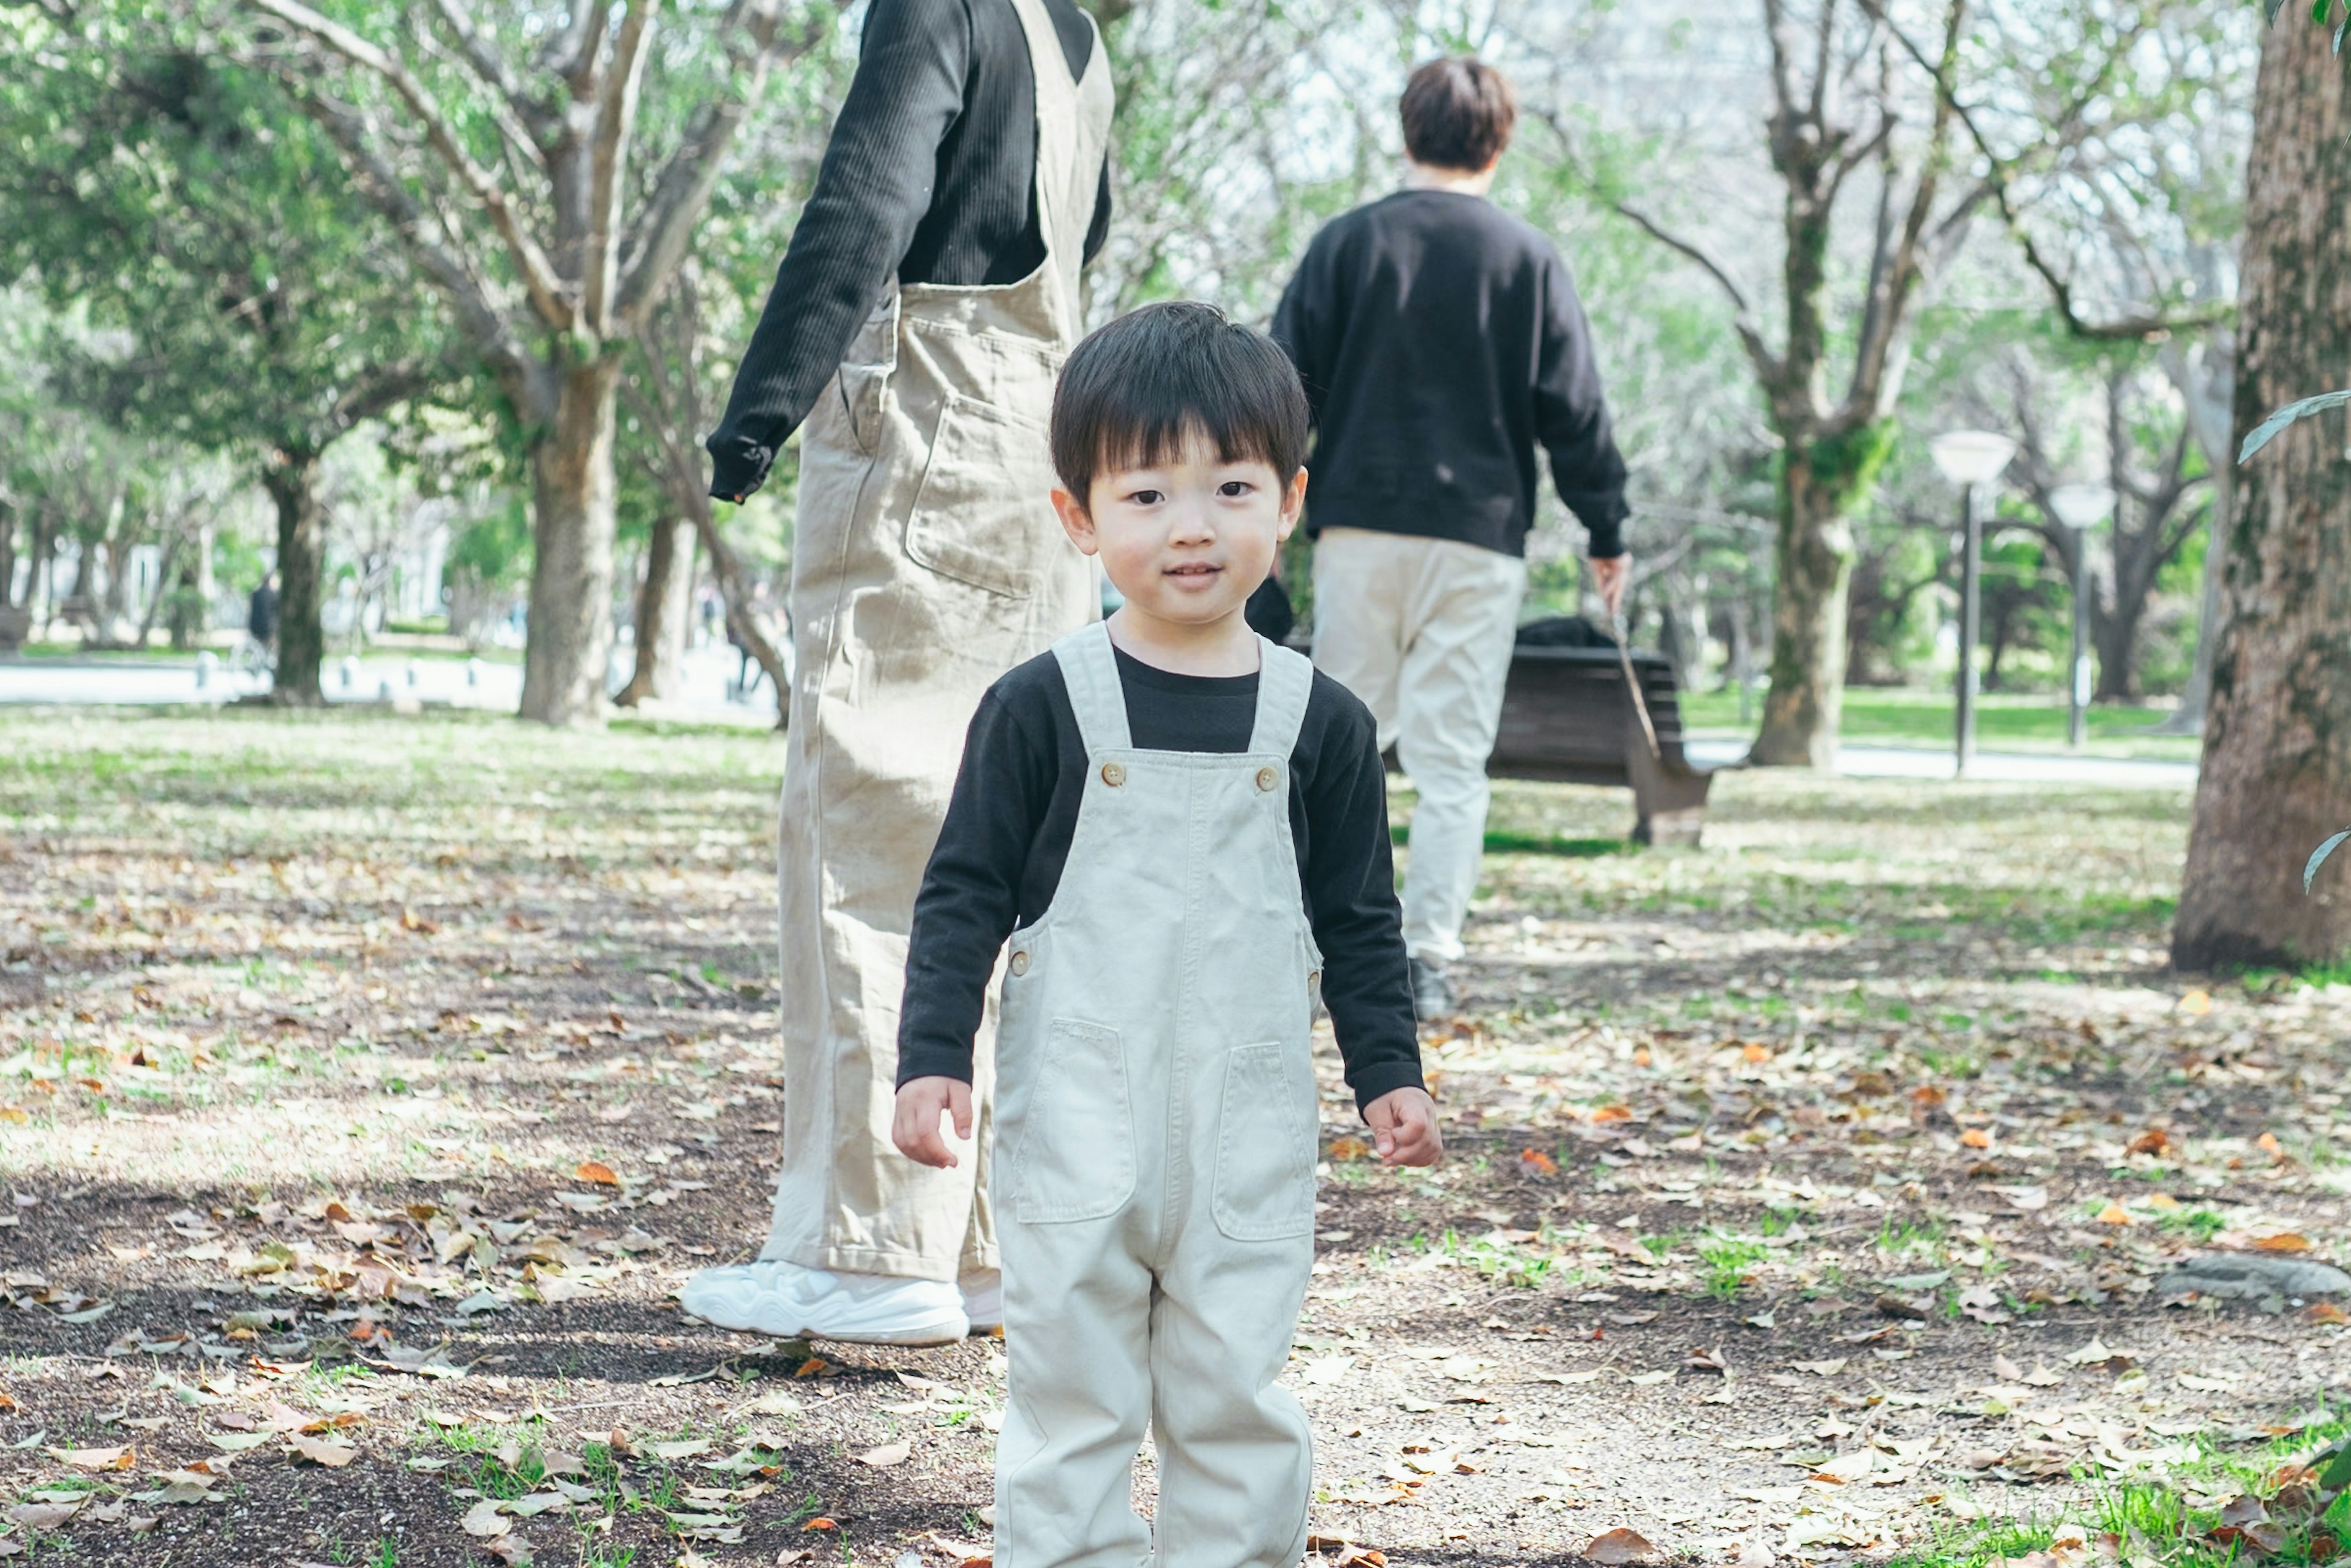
{"x":1076,"y":521}
{"x":1293,"y":502}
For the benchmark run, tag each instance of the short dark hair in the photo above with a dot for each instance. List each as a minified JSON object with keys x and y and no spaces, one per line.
{"x":1134,"y":391}
{"x":1457,"y":114}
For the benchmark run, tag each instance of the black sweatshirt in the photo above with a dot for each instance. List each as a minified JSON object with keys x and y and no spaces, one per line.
{"x":1015,"y":809}
{"x":1440,"y":340}
{"x":931,"y":175}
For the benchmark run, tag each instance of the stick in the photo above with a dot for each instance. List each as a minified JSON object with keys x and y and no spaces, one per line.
{"x":1633,"y":684}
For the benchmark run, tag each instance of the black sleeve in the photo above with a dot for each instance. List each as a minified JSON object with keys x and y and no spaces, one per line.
{"x":1350,"y":883}
{"x":871,"y":193}
{"x":1099,"y":229}
{"x":1572,"y":417}
{"x":970,"y":897}
{"x":1298,"y":324}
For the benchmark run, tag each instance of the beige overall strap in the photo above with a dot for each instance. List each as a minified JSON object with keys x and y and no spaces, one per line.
{"x":1285,"y":680}
{"x":1090,"y":669}
{"x":1073,"y":138}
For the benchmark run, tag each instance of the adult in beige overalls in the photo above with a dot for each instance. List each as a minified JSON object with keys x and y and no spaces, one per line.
{"x":926,"y":561}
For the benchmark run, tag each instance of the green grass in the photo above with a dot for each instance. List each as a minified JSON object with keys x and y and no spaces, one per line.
{"x":1729,"y":1259}
{"x":1912,"y":717}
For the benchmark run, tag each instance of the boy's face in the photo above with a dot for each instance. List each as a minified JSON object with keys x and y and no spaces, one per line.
{"x":1186,"y":542}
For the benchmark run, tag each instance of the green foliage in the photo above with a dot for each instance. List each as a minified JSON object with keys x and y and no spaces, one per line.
{"x":1844,"y":467}
{"x":493,"y":549}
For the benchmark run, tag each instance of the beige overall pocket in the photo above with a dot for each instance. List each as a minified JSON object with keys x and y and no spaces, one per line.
{"x":1265,"y":1145}
{"x":1076,"y":1158}
{"x":983,"y":514}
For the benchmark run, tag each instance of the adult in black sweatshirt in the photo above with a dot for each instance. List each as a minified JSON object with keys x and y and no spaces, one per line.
{"x":1441,"y":341}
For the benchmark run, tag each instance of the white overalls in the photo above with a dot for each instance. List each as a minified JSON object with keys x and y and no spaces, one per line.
{"x":1154,"y":1178}
{"x":926,"y":561}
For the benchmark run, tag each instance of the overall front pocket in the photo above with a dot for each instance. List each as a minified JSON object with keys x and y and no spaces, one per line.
{"x":983,"y":514}
{"x":1076,"y":1155}
{"x":1265,"y":1144}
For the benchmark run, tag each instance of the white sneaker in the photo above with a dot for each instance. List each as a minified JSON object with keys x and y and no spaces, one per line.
{"x":786,"y":1300}
{"x":983,"y":1300}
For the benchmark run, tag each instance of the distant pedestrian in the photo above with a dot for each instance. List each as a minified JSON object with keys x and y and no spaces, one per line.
{"x":1441,"y":341}
{"x":261,"y":612}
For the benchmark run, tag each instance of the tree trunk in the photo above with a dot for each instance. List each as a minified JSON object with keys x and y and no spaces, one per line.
{"x":2277,"y":737}
{"x":292,"y":483}
{"x":2205,"y":386}
{"x":1815,"y":555}
{"x":2115,"y":632}
{"x":663,"y":609}
{"x":570,"y":632}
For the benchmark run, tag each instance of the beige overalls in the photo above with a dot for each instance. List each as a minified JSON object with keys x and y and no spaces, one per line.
{"x":1155,"y":1193}
{"x":926,"y":561}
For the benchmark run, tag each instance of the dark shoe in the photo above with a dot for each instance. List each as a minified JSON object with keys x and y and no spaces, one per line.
{"x":1433,"y":995}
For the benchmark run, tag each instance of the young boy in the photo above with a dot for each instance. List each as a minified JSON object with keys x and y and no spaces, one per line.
{"x":1180,"y":827}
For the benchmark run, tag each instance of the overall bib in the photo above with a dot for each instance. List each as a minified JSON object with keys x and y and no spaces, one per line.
{"x":1154,"y":1188}
{"x":926,"y":561}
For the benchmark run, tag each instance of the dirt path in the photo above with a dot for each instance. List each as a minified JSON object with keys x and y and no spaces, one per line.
{"x":367,"y":1086}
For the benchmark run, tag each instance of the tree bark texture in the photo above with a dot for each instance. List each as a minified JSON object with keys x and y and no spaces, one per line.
{"x":573,"y":491}
{"x":2277,"y":737}
{"x":292,"y":483}
{"x":1802,"y":714}
{"x":664,"y":605}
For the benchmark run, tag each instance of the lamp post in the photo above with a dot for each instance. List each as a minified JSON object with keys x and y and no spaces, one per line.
{"x":1971,"y":459}
{"x":2080,"y":508}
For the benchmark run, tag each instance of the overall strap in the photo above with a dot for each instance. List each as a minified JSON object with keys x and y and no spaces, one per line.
{"x":1090,"y":670}
{"x":1285,"y":679}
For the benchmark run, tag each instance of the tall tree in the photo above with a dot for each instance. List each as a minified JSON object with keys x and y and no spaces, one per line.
{"x":177,"y":199}
{"x":2277,"y":778}
{"x":1841,"y":92}
{"x":502,"y":153}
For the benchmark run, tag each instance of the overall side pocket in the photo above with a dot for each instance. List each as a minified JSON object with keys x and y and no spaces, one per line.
{"x":1075,"y":1159}
{"x":1265,"y":1144}
{"x":983,"y":515}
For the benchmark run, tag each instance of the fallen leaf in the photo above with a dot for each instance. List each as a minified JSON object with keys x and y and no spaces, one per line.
{"x":1619,"y":1546}
{"x":1535,"y":1163}
{"x":44,"y":1515}
{"x":678,"y":1448}
{"x":2325,"y":1312}
{"x":94,"y":1458}
{"x":1349,"y":1149}
{"x":885,"y":1456}
{"x":2287,"y":1241}
{"x":484,"y":1520}
{"x":592,"y":1170}
{"x":2114,"y":1214}
{"x":1976,"y":1138}
{"x":2196,"y":1003}
{"x":2154,"y":1140}
{"x":334,"y":1456}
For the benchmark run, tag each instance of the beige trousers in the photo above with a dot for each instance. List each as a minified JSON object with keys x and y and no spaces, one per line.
{"x":926,"y":561}
{"x":1422,"y":630}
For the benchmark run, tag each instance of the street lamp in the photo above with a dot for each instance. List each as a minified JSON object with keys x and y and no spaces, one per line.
{"x":1971,"y":459}
{"x":2080,"y":508}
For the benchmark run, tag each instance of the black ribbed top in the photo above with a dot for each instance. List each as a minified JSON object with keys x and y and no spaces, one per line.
{"x":931,"y":175}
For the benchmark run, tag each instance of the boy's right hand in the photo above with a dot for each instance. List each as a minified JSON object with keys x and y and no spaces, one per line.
{"x":914,"y":1126}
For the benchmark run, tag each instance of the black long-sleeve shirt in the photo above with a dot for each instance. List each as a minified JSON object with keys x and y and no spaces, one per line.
{"x":1440,"y":340}
{"x":931,"y":175}
{"x":1014,"y":811}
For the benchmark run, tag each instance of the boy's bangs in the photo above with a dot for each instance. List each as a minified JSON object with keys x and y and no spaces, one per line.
{"x":1157,"y":438}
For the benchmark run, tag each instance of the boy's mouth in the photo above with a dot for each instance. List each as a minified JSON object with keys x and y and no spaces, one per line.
{"x":1193,"y":569}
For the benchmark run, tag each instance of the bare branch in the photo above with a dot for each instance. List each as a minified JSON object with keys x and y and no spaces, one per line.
{"x":484,"y":323}
{"x":490,"y":68}
{"x":616,"y":115}
{"x":1999,"y":183}
{"x":539,"y":275}
{"x":582,"y":42}
{"x":519,"y":122}
{"x":757,"y":43}
{"x":1766,"y":363}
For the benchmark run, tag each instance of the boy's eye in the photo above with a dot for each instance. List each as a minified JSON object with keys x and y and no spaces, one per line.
{"x":1232,"y":488}
{"x":1145,"y":497}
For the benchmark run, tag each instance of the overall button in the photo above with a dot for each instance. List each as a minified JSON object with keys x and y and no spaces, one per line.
{"x":1020,"y":963}
{"x":1113,"y":775}
{"x":1267,"y":777}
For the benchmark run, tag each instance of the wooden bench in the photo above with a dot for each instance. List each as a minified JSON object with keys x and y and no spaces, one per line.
{"x":1567,"y":718}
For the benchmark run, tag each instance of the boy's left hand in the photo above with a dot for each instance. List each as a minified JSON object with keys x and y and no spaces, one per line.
{"x":1404,"y":1128}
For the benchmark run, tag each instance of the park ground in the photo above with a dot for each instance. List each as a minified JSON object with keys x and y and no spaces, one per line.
{"x":369,"y":1083}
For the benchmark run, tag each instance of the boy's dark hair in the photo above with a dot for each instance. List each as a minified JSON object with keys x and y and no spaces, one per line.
{"x":1458,"y":114}
{"x":1133,"y":391}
